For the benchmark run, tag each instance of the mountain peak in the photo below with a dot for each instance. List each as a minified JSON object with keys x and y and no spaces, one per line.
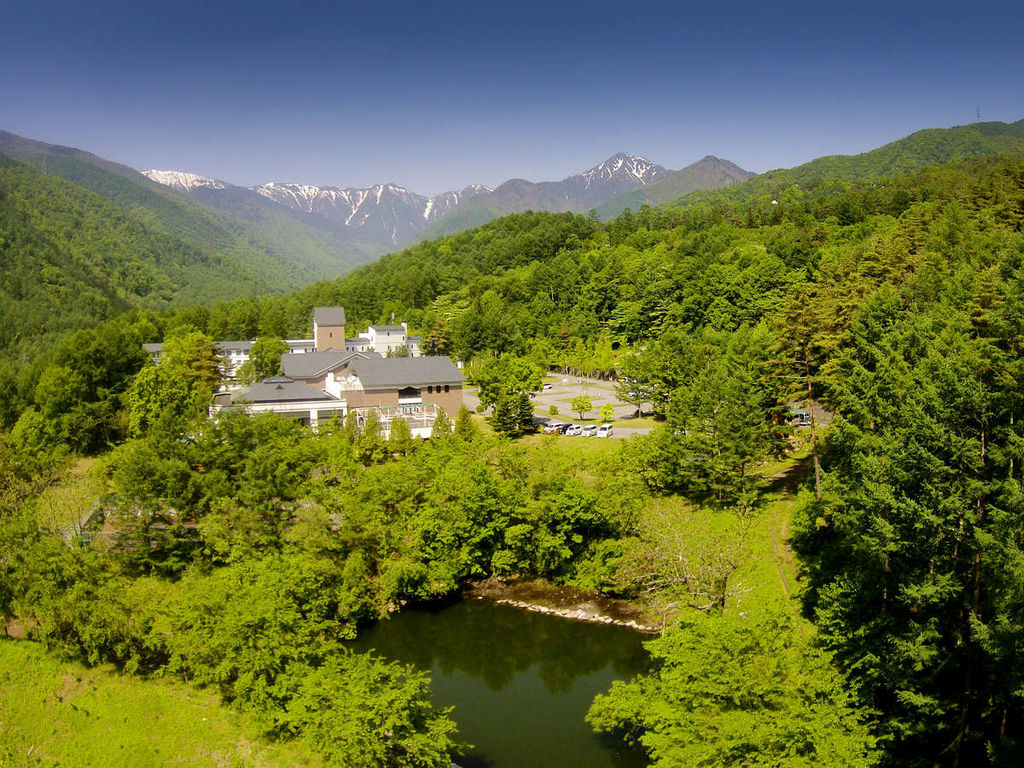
{"x":623,"y":166}
{"x":182,"y":180}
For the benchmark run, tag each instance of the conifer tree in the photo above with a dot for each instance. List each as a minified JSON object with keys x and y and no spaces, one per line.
{"x":465,"y":429}
{"x":442,"y":428}
{"x":400,"y":437}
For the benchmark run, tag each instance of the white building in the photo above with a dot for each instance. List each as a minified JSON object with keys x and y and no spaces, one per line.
{"x":386,"y":341}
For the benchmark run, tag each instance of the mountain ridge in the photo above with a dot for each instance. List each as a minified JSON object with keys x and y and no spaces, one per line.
{"x":391,"y":215}
{"x":709,"y":172}
{"x":910,"y":154}
{"x":288,"y":251}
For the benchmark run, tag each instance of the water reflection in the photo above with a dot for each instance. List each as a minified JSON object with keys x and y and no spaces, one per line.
{"x":521,"y":682}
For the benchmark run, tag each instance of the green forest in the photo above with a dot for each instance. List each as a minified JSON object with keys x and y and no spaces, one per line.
{"x":239,"y":556}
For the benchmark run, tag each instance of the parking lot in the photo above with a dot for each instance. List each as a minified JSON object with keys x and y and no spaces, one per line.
{"x":559,"y":392}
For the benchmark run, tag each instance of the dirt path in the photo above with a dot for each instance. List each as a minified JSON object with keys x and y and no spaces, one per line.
{"x":786,"y":483}
{"x":780,"y":548}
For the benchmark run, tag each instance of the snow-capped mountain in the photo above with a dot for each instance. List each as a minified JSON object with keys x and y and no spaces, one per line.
{"x":631,"y":169}
{"x":182,"y":181}
{"x":356,"y":206}
{"x":385,"y":212}
{"x":619,"y":173}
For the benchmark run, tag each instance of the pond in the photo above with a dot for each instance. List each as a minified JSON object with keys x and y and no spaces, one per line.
{"x":520,"y":682}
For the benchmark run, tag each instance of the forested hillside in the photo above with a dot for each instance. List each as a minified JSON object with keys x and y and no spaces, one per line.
{"x":556,"y":282}
{"x":282,"y":250}
{"x":920,"y":150}
{"x":71,"y":258}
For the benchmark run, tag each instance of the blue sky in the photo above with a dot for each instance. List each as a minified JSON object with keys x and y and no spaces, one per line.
{"x":437,"y":95}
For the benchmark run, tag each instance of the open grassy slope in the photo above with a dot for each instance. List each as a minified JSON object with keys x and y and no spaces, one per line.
{"x":54,"y":713}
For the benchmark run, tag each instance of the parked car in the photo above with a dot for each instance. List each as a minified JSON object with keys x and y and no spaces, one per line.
{"x":605,"y":430}
{"x":547,"y":386}
{"x":554,"y":428}
{"x":800,"y":418}
{"x":589,"y":431}
{"x":573,"y":430}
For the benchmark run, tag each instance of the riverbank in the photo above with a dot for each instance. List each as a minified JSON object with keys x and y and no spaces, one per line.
{"x":567,"y":602}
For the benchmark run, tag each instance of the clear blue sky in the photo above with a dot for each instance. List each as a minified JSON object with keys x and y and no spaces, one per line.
{"x":437,"y":95}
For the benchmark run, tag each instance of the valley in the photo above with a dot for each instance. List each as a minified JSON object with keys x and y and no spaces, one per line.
{"x":819,"y":510}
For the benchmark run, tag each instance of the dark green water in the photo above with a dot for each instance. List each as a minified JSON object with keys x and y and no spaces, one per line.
{"x":520,"y":682}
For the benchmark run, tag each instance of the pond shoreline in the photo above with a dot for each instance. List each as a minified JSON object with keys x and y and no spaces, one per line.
{"x":566,"y":602}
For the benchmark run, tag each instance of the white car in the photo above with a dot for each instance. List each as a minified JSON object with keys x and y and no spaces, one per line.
{"x":573,"y":430}
{"x":589,"y":431}
{"x":605,"y":430}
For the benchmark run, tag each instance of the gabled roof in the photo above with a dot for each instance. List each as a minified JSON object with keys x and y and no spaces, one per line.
{"x":310,"y":365}
{"x":328,"y":316}
{"x":281,"y":389}
{"x":388,"y":328}
{"x":406,"y":372}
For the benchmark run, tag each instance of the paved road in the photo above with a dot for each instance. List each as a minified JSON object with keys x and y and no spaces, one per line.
{"x":561,"y":394}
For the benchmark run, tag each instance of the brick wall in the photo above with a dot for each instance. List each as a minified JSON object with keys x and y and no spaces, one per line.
{"x":450,"y":401}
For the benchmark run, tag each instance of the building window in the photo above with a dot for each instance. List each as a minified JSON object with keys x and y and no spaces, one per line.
{"x":430,"y":390}
{"x":445,"y":387}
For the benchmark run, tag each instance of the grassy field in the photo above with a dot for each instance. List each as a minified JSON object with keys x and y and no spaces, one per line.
{"x":64,"y":714}
{"x":64,"y":505}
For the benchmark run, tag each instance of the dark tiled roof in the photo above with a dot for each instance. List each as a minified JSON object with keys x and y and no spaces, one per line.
{"x":406,"y":372}
{"x":281,"y":389}
{"x":388,"y":328}
{"x":308,"y":365}
{"x":329,"y":315}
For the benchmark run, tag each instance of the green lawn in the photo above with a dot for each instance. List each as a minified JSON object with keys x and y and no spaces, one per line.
{"x":574,"y":446}
{"x":54,"y":713}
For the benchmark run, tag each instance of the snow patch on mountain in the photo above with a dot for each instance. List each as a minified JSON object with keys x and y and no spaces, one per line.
{"x":357,"y":207}
{"x":183,"y":181}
